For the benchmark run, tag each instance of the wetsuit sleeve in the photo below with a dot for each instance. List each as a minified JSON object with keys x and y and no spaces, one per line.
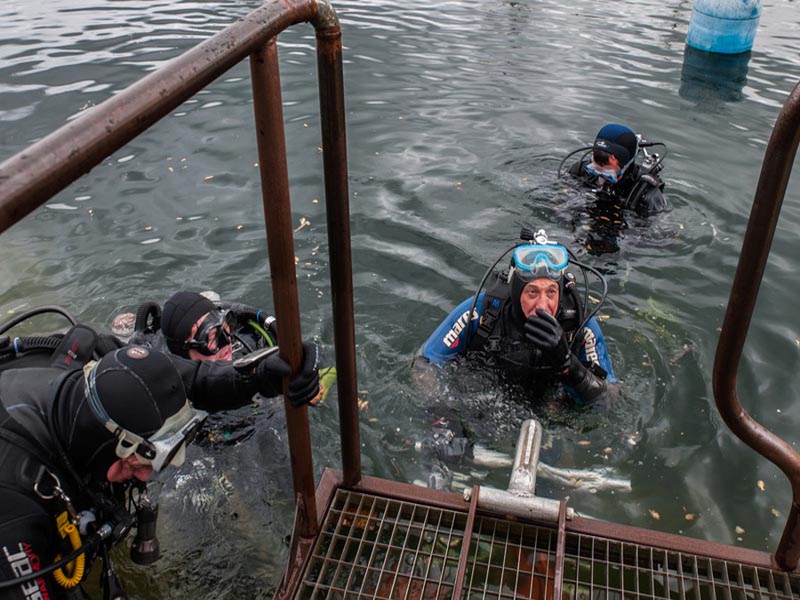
{"x":584,"y":383}
{"x":216,"y":385}
{"x":449,"y":339}
{"x":27,"y":538}
{"x":594,"y":349}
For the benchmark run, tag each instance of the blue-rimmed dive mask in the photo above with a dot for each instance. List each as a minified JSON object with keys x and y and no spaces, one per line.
{"x":607,"y":172}
{"x":532,"y":261}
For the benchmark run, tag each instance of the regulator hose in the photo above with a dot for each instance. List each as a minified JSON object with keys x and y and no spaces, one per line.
{"x":37,"y":311}
{"x":25,"y":344}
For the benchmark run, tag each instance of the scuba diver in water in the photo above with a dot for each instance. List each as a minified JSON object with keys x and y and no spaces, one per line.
{"x":531,"y":325}
{"x":619,"y":183}
{"x":84,"y":423}
{"x":193,"y":326}
{"x":609,"y":167}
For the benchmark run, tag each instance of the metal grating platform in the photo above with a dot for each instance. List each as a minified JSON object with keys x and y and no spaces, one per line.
{"x":601,"y":569}
{"x":375,"y":547}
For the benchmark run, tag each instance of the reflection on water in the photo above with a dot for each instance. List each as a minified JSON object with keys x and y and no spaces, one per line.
{"x":458,"y":115}
{"x":708,"y":77}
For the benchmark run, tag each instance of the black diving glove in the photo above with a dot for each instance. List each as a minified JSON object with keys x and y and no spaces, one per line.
{"x":303,"y":386}
{"x":588,"y":386}
{"x":545,"y":332}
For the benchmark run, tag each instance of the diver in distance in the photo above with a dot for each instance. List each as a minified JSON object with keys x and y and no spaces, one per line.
{"x":609,"y":166}
{"x":84,"y":424}
{"x":622,"y":177}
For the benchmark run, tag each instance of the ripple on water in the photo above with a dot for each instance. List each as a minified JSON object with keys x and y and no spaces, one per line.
{"x":458,"y":114}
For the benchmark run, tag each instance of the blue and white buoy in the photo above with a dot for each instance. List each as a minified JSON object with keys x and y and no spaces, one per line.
{"x":724,"y":26}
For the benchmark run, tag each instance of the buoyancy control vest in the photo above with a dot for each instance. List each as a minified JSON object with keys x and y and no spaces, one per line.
{"x":500,"y":343}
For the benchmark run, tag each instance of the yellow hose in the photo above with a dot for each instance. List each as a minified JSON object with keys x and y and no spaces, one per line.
{"x":76,"y":566}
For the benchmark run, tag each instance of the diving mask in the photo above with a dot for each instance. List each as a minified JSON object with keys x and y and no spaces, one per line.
{"x":223,"y":322}
{"x":166,"y":446}
{"x":609,"y":173}
{"x":532,"y":261}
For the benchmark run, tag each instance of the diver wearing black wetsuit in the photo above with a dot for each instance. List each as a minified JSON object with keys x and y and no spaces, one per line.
{"x":79,"y":437}
{"x":192,"y":326}
{"x":619,"y":181}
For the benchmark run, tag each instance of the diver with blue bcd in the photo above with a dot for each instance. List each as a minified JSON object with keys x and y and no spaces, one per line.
{"x":531,"y":324}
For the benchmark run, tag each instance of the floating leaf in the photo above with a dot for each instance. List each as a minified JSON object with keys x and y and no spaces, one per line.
{"x":761,"y":485}
{"x":303,"y":223}
{"x":654,"y":514}
{"x":682,"y":352}
{"x":739,"y":530}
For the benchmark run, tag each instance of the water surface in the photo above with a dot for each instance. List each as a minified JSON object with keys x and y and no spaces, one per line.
{"x":458,"y":116}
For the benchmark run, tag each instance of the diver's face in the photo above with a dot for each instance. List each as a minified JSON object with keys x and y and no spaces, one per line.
{"x":220,"y":353}
{"x":128,"y":468}
{"x":540,"y":293}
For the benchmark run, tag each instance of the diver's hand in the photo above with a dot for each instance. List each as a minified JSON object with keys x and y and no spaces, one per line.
{"x":269,"y":374}
{"x":303,"y":386}
{"x":545,"y":332}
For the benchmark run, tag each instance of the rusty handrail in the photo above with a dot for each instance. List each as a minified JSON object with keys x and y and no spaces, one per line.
{"x":34,"y":175}
{"x":772,"y":182}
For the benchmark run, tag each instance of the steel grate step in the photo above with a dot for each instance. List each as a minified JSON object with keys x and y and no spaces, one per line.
{"x":376,"y":547}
